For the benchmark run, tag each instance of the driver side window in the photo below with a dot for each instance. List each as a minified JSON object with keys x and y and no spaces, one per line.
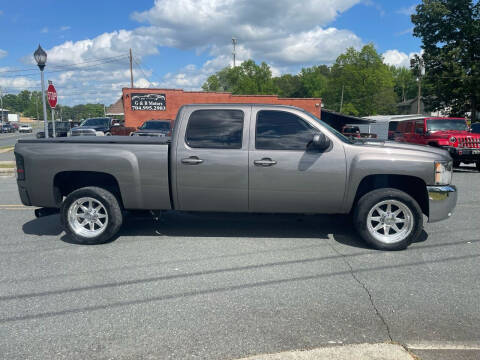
{"x":280,"y":130}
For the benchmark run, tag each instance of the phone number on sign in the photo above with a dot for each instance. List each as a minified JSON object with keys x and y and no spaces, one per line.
{"x":149,"y":107}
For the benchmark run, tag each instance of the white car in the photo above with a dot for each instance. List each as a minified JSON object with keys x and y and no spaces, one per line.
{"x":25,"y":129}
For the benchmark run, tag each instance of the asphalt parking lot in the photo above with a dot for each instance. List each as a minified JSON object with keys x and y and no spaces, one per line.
{"x":215,"y":286}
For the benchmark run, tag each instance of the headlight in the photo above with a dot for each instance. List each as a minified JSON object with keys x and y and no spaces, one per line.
{"x":443,"y":172}
{"x":453,"y":139}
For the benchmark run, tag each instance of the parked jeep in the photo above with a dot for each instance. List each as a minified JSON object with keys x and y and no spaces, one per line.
{"x":93,"y":127}
{"x":451,"y":134}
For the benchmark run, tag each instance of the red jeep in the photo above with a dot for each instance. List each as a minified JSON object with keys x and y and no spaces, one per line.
{"x":452,"y":134}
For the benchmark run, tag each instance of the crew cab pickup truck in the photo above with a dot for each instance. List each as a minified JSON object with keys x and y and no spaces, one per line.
{"x":238,"y":158}
{"x":451,"y":134}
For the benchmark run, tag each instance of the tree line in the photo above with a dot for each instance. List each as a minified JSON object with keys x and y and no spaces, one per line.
{"x":358,"y":83}
{"x":29,"y":104}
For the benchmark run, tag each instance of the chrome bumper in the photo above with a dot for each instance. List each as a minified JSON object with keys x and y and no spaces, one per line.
{"x":442,"y":201}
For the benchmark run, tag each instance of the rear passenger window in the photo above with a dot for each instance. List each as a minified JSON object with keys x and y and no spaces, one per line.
{"x":280,"y":130}
{"x":215,"y":129}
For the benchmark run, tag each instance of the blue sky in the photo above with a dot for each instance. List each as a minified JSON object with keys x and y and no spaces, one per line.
{"x":178,"y":43}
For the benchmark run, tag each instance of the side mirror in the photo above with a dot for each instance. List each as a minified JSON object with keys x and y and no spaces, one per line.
{"x":320,"y":142}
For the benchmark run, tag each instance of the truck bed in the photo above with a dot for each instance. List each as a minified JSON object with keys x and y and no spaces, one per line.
{"x":140,"y":167}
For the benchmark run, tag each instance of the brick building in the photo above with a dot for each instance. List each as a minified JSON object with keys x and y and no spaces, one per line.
{"x":140,"y":105}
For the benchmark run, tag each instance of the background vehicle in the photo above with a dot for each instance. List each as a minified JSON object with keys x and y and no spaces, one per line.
{"x":15,"y":125}
{"x":6,"y":128}
{"x":93,"y":127}
{"x":354,"y":132}
{"x":119,"y":128}
{"x":238,"y":158}
{"x":160,"y":128}
{"x":451,"y":134}
{"x":476,"y":128}
{"x":23,"y":128}
{"x":61,"y":129}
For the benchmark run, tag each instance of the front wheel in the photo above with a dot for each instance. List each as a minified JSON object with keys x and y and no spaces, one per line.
{"x":91,"y":215}
{"x":108,"y":133}
{"x":388,"y":219}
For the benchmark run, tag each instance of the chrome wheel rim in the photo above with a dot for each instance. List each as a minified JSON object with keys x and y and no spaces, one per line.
{"x":390,"y":221}
{"x":87,"y":217}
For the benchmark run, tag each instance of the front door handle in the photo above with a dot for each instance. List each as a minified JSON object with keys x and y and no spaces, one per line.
{"x":265,"y":162}
{"x":192,"y":160}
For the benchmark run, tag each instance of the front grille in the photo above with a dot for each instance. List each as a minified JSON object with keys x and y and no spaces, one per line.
{"x":469,"y":142}
{"x":84,"y":132}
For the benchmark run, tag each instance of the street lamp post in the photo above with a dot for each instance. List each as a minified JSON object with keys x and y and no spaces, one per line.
{"x":41,"y":58}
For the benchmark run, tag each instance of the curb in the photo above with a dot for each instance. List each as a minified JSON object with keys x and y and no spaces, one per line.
{"x":6,"y":150}
{"x":7,"y":171}
{"x":346,"y":352}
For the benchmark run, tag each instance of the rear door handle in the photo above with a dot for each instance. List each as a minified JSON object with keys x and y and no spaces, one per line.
{"x":192,"y":160}
{"x":264,"y":162}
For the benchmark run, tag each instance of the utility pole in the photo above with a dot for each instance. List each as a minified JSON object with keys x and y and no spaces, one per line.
{"x":234,"y":42}
{"x":341,"y":100}
{"x":1,"y":100}
{"x":419,"y":96}
{"x":131,"y":69}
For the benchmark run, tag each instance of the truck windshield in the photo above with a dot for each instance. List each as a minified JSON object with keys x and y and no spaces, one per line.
{"x":155,"y":125}
{"x":96,"y":122}
{"x":446,"y":124}
{"x":335,"y":132}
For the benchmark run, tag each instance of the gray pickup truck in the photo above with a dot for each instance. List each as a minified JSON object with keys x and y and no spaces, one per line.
{"x":238,"y":158}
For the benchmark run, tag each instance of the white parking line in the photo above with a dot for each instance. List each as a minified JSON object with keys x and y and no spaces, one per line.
{"x":444,"y":345}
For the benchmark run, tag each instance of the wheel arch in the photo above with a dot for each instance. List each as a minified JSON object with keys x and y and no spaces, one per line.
{"x":413,"y":186}
{"x":66,"y":182}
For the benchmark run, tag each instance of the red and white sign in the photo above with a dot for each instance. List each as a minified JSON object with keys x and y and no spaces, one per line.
{"x":52,"y":96}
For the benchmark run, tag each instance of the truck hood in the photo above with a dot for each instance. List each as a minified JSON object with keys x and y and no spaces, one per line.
{"x":448,"y":133}
{"x":404,"y":146}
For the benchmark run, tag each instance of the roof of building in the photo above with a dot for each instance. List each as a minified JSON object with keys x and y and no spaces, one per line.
{"x":116,"y":108}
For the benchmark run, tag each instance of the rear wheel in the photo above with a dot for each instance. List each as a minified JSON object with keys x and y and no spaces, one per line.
{"x":456,"y":164}
{"x":91,"y":215}
{"x":108,"y":133}
{"x":388,"y":219}
{"x":478,"y":165}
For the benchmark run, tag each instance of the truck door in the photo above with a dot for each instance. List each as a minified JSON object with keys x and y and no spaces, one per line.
{"x":284,"y":175}
{"x":212,"y":160}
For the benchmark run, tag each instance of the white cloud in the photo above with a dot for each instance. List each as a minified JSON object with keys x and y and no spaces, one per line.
{"x":397,"y":58}
{"x":286,"y":34}
{"x":44,"y":30}
{"x":407,"y":10}
{"x":3,"y":53}
{"x":65,"y":28}
{"x":1,"y":12}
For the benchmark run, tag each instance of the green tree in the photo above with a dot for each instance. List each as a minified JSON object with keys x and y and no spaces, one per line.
{"x":366,"y":82}
{"x":289,"y":85}
{"x":450,"y":34}
{"x":314,"y":81}
{"x":405,"y":83}
{"x":248,"y":78}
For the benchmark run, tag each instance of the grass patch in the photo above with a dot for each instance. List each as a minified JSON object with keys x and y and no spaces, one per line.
{"x":6,"y":147}
{"x":7,"y":166}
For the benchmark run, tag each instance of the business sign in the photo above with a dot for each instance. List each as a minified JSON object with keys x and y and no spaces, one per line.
{"x":148,"y":102}
{"x":52,"y":95}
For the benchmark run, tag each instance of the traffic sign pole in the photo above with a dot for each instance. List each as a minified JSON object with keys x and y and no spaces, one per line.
{"x":53,"y":123}
{"x":52,"y":100}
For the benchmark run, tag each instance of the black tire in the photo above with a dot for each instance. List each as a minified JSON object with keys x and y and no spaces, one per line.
{"x":478,"y":165}
{"x":369,"y":200}
{"x":456,"y":164}
{"x":112,"y":209}
{"x":108,"y":133}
